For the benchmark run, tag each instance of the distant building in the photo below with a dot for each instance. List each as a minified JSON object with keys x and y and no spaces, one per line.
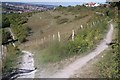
{"x":92,"y":4}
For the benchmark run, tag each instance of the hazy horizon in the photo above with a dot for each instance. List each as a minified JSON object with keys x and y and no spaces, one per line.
{"x":56,"y":2}
{"x":59,"y":3}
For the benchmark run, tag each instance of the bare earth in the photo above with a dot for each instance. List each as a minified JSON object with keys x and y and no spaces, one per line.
{"x":28,"y":64}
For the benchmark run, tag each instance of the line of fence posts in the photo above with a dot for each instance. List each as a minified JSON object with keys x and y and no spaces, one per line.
{"x":59,"y":36}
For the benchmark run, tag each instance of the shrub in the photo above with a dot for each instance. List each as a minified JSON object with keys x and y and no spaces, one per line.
{"x":5,"y":21}
{"x":6,"y":36}
{"x":17,"y":20}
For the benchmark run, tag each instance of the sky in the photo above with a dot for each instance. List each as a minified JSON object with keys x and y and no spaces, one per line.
{"x":53,"y":0}
{"x":57,"y":2}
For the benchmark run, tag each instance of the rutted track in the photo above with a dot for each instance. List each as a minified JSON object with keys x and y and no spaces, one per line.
{"x":27,"y":64}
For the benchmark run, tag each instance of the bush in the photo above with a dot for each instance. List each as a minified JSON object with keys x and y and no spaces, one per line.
{"x":17,"y":20}
{"x":5,"y":22}
{"x":21,"y":32}
{"x":6,"y":36}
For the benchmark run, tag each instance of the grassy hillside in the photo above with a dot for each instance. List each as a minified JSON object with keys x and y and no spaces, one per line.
{"x":85,"y":40}
{"x":64,"y":20}
{"x":45,"y":24}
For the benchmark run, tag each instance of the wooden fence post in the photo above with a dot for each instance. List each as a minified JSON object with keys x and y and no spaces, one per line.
{"x":53,"y":37}
{"x":49,"y":37}
{"x":73,"y":34}
{"x":42,"y":40}
{"x":2,"y":51}
{"x":82,"y":26}
{"x":93,"y":23}
{"x":59,"y":36}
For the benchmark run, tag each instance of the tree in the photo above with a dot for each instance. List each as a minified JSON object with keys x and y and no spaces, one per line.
{"x":60,"y":5}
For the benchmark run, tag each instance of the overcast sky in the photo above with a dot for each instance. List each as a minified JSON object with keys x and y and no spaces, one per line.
{"x":53,"y":0}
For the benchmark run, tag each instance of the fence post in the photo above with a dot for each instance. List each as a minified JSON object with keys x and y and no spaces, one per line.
{"x":2,"y":51}
{"x":44,"y":38}
{"x":59,"y":36}
{"x":40,"y":18}
{"x":73,"y":34}
{"x":49,"y":37}
{"x":53,"y":37}
{"x":93,"y":23}
{"x":82,"y":26}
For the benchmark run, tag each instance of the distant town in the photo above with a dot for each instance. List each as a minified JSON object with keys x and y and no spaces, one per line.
{"x":16,"y":7}
{"x":19,"y":7}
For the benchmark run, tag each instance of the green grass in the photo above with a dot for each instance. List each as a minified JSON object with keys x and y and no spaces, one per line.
{"x":55,"y":52}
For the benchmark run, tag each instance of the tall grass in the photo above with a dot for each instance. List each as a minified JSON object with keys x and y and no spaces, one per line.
{"x":55,"y":52}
